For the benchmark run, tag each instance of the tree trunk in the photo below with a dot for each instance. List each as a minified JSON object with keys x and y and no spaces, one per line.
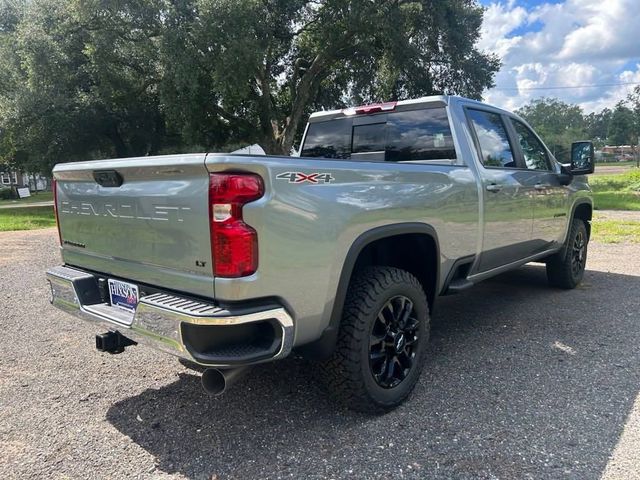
{"x":269,"y":143}
{"x":306,"y":88}
{"x":122,"y":151}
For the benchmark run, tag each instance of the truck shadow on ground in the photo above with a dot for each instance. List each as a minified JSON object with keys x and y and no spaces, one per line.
{"x":521,"y":380}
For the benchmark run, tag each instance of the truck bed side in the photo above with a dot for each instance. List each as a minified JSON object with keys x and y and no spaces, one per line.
{"x":307,"y":227}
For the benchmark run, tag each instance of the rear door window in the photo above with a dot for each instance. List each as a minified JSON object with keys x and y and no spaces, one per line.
{"x":406,"y":136}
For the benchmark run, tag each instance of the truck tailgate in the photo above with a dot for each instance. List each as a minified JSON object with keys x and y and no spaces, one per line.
{"x":143,"y":219}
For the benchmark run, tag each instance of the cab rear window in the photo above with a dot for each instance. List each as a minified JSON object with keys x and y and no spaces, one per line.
{"x":415,"y":135}
{"x":328,"y":139}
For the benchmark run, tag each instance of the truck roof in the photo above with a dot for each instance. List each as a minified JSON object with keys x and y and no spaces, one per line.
{"x":432,"y":100}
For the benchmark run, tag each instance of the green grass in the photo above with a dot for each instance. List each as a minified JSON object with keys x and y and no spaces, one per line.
{"x":40,"y":197}
{"x":615,"y":231}
{"x":28,"y":218}
{"x":616,"y":192}
{"x":626,"y":163}
{"x":616,"y":201}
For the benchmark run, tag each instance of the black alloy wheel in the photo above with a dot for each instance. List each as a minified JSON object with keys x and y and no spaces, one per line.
{"x":578,"y":253}
{"x":393,"y":342}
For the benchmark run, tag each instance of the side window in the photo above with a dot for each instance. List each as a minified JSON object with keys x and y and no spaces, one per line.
{"x":495,"y":149}
{"x":535,"y":155}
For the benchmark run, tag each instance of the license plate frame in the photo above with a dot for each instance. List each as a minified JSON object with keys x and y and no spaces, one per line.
{"x":123,"y":295}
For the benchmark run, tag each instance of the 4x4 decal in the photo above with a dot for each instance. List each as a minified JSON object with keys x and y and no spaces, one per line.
{"x":299,"y":177}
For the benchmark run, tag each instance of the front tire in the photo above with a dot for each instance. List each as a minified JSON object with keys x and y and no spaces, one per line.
{"x":566,"y":268}
{"x":382,"y":340}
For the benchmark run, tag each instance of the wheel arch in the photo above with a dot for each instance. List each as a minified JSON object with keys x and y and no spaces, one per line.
{"x":371,"y":248}
{"x":584,"y":211}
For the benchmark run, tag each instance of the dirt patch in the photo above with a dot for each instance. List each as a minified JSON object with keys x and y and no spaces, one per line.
{"x":624,"y":215}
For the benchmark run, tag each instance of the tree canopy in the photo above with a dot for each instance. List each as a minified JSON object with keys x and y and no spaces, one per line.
{"x":621,"y":126}
{"x":560,"y":123}
{"x":94,"y":78}
{"x":557,"y":122}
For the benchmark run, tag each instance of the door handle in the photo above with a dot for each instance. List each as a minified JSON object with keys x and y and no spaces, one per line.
{"x":494,"y":187}
{"x":541,"y":186}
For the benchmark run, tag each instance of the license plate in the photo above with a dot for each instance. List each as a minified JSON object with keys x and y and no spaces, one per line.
{"x":123,"y":295}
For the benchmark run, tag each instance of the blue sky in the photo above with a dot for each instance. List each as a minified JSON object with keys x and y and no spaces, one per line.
{"x":586,"y":47}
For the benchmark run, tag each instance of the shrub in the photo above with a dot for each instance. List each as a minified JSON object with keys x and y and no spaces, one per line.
{"x":6,"y":193}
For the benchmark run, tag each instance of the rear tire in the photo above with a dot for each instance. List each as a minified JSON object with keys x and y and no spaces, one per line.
{"x":566,"y":268}
{"x":382,"y":341}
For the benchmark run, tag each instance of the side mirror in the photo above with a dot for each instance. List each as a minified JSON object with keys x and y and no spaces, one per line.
{"x":582,"y":158}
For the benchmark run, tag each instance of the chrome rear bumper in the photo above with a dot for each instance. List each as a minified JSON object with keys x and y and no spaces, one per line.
{"x":191,"y":329}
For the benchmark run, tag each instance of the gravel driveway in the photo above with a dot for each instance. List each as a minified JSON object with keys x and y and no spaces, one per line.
{"x":522,"y":382}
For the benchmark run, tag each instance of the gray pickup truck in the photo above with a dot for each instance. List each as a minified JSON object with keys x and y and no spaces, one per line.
{"x":338,"y":253}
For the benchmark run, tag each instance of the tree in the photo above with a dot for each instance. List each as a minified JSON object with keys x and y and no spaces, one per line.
{"x":597,"y":126}
{"x":266,"y":64}
{"x":91,"y":78}
{"x":558,"y":123}
{"x":621,"y":127}
{"x":633,"y":100}
{"x":78,"y":81}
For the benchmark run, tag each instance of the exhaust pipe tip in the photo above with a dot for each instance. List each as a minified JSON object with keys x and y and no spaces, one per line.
{"x":213,"y":382}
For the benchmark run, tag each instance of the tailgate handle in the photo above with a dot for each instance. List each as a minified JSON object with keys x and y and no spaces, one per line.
{"x":107,"y":178}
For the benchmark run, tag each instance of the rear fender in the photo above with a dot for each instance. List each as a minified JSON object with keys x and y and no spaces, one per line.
{"x":324,"y":346}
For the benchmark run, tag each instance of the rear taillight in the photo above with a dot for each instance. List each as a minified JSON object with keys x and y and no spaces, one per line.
{"x":54,"y":187}
{"x":234,"y":244}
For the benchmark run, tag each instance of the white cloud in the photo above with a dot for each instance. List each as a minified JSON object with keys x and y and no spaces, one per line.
{"x":570,"y":44}
{"x":500,"y":20}
{"x":613,"y":95}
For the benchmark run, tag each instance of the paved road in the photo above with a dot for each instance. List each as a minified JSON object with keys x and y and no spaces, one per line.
{"x":522,"y":382}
